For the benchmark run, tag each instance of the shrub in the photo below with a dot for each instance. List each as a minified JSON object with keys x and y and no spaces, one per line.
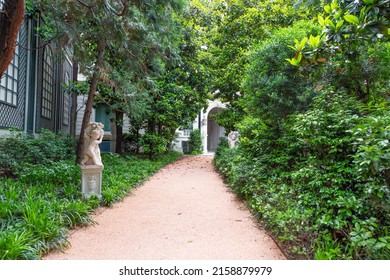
{"x":195,"y":142}
{"x":321,"y":186}
{"x":131,"y":142}
{"x":276,"y":88}
{"x":20,"y":150}
{"x":44,"y":201}
{"x":153,"y":144}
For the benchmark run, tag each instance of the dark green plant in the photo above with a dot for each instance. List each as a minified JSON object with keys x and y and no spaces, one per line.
{"x":275,"y":88}
{"x":20,"y":150}
{"x":42,"y":202}
{"x":321,"y":187}
{"x":195,"y":142}
{"x":153,"y":144}
{"x":349,"y":53}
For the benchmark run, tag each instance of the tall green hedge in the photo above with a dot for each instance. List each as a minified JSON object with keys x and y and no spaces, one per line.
{"x":322,"y":186}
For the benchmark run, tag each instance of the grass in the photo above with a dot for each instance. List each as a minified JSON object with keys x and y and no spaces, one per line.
{"x":40,"y":205}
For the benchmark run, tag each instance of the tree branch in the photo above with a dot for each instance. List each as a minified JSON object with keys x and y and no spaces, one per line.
{"x":11,"y":19}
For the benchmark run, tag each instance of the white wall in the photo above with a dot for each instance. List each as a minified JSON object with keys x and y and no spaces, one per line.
{"x":203,"y":126}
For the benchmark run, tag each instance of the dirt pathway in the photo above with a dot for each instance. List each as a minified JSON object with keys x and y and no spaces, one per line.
{"x":184,"y":212}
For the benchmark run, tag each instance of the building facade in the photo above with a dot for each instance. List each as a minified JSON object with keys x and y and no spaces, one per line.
{"x":210,"y":131}
{"x":32,"y":94}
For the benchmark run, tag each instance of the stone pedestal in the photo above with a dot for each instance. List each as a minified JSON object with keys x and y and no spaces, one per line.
{"x":91,"y":180}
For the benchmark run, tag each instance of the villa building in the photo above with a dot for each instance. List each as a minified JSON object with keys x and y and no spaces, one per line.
{"x":32,"y":96}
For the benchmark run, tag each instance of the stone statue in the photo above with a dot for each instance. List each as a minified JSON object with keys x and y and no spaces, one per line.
{"x":93,"y":136}
{"x":233,"y":138}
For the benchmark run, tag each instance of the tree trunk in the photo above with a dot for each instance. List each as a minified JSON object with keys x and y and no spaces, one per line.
{"x":90,"y":100}
{"x":11,"y":18}
{"x":119,"y":131}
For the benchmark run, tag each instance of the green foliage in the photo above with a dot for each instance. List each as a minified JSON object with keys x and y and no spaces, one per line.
{"x":226,"y":32}
{"x":153,"y":144}
{"x":131,"y":142}
{"x":20,"y":150}
{"x":355,"y":21}
{"x":345,"y":55}
{"x":275,"y":88}
{"x":237,"y":26}
{"x":143,"y":40}
{"x":322,"y":185}
{"x":39,"y":206}
{"x":195,"y":142}
{"x":372,"y":156}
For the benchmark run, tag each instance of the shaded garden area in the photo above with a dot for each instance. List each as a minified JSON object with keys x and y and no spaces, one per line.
{"x":305,"y":83}
{"x":41,"y":199}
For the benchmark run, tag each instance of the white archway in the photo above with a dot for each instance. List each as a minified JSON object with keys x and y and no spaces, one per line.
{"x":211,"y":131}
{"x":214,"y":131}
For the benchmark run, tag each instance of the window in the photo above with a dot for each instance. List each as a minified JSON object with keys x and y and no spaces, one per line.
{"x":47,"y":88}
{"x":9,"y":81}
{"x":66,"y":101}
{"x":103,"y":115}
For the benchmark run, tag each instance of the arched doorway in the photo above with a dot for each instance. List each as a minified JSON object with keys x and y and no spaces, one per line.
{"x":214,"y":131}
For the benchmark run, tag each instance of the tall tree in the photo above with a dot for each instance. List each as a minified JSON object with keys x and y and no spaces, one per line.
{"x":346,"y":52}
{"x":172,"y":97}
{"x":11,"y":18}
{"x":240,"y":24}
{"x":136,"y":31}
{"x":232,"y":28}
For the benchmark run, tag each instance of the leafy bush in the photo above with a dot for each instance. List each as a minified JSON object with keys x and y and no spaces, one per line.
{"x":42,"y":202}
{"x":195,"y":142}
{"x":20,"y":150}
{"x":322,"y":185}
{"x":276,"y":88}
{"x":130,"y":142}
{"x":153,"y":144}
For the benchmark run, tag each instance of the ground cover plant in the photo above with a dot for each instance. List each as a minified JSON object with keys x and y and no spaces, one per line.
{"x":313,"y":160}
{"x":40,"y":203}
{"x":20,"y":150}
{"x":322,"y":186}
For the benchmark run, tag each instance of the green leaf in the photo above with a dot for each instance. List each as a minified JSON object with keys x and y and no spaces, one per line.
{"x":379,"y":245}
{"x":295,"y":61}
{"x":357,"y":226}
{"x":352,"y":19}
{"x":314,"y":41}
{"x":321,"y":20}
{"x":329,"y":22}
{"x":362,"y":12}
{"x":334,"y":5}
{"x":370,"y":2}
{"x":339,"y":24}
{"x":327,"y":9}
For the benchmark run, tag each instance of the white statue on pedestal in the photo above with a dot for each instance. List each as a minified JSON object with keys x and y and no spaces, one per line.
{"x":91,"y":165}
{"x":93,"y":136}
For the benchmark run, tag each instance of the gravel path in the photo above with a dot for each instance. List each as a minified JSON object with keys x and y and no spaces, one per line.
{"x":184,"y":212}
